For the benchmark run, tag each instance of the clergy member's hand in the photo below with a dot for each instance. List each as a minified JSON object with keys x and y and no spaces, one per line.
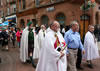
{"x":62,"y":54}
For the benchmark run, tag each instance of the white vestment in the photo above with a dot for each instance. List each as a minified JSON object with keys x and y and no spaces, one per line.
{"x":36,"y":52}
{"x":24,"y":45}
{"x":50,"y":58}
{"x":41,"y":38}
{"x":90,"y":46}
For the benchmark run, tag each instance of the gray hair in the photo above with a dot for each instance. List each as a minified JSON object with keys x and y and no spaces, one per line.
{"x":73,"y":23}
{"x":90,"y":26}
{"x":51,"y":23}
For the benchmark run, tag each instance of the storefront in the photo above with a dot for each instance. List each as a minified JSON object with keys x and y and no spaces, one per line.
{"x":12,"y":20}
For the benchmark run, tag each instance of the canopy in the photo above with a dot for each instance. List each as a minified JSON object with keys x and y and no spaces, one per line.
{"x":5,"y":23}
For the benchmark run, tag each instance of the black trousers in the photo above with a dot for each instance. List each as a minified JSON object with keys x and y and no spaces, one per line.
{"x":79,"y":58}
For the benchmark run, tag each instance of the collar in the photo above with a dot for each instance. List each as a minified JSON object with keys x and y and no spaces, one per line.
{"x":72,"y":31}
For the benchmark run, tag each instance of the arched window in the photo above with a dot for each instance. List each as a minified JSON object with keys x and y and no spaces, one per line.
{"x":22,"y":23}
{"x":60,"y":17}
{"x":45,"y":20}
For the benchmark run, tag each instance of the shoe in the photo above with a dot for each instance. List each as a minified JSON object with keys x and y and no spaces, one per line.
{"x":80,"y":68}
{"x":3,"y":49}
{"x":0,"y":60}
{"x":28,"y":61}
{"x":90,"y":66}
{"x":32,"y":61}
{"x":34,"y":65}
{"x":7,"y":50}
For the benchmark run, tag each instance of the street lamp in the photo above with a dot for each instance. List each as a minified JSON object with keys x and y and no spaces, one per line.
{"x":86,"y":7}
{"x":84,"y":20}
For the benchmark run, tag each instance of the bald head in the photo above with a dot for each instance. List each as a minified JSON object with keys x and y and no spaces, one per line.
{"x":43,"y":27}
{"x":55,"y":26}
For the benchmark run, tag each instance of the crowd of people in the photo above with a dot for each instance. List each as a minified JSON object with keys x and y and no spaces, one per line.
{"x":9,"y":35}
{"x":54,"y":51}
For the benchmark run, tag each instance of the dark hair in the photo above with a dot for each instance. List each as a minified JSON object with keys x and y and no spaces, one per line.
{"x":37,"y":29}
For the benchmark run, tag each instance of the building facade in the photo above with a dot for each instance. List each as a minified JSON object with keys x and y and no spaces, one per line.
{"x":66,"y":11}
{"x":8,"y":11}
{"x":26,"y":12}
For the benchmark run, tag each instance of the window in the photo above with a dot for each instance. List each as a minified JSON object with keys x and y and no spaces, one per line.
{"x":37,"y":2}
{"x":19,"y":4}
{"x":14,"y":8}
{"x":1,"y":2}
{"x":28,"y":20}
{"x":8,"y":11}
{"x":22,"y":23}
{"x":7,"y":0}
{"x":24,"y":4}
{"x":45,"y":20}
{"x":34,"y":21}
{"x":2,"y":13}
{"x":60,"y":17}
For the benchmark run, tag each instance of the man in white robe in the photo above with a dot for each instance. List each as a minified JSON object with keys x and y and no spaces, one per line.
{"x":90,"y":46}
{"x":36,"y":52}
{"x":41,"y":36}
{"x":26,"y":49}
{"x":50,"y":58}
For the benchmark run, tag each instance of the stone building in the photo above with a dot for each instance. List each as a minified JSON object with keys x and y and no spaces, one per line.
{"x":8,"y":11}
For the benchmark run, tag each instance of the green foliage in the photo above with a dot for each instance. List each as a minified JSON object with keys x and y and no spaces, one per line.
{"x":87,"y":6}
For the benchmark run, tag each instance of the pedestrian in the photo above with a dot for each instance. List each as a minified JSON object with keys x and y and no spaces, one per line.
{"x":13,"y":36}
{"x":63,"y":31}
{"x":90,"y":45}
{"x":73,"y":41}
{"x":18,"y":36}
{"x":42,"y":34}
{"x":79,"y":55}
{"x":36,"y":52}
{"x":53,"y":54}
{"x":27,"y":44}
{"x":4,"y":39}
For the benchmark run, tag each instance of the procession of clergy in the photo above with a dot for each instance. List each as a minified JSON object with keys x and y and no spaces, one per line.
{"x":55,"y":52}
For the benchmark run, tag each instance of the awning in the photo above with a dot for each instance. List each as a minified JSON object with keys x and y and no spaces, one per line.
{"x":10,"y":17}
{"x":5,"y":23}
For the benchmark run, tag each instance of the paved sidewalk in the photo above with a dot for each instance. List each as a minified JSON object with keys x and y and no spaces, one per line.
{"x":11,"y":62}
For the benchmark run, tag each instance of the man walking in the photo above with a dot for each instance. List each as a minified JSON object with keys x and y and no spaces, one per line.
{"x":90,"y":46}
{"x":53,"y":54}
{"x":72,"y":38}
{"x":27,"y":44}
